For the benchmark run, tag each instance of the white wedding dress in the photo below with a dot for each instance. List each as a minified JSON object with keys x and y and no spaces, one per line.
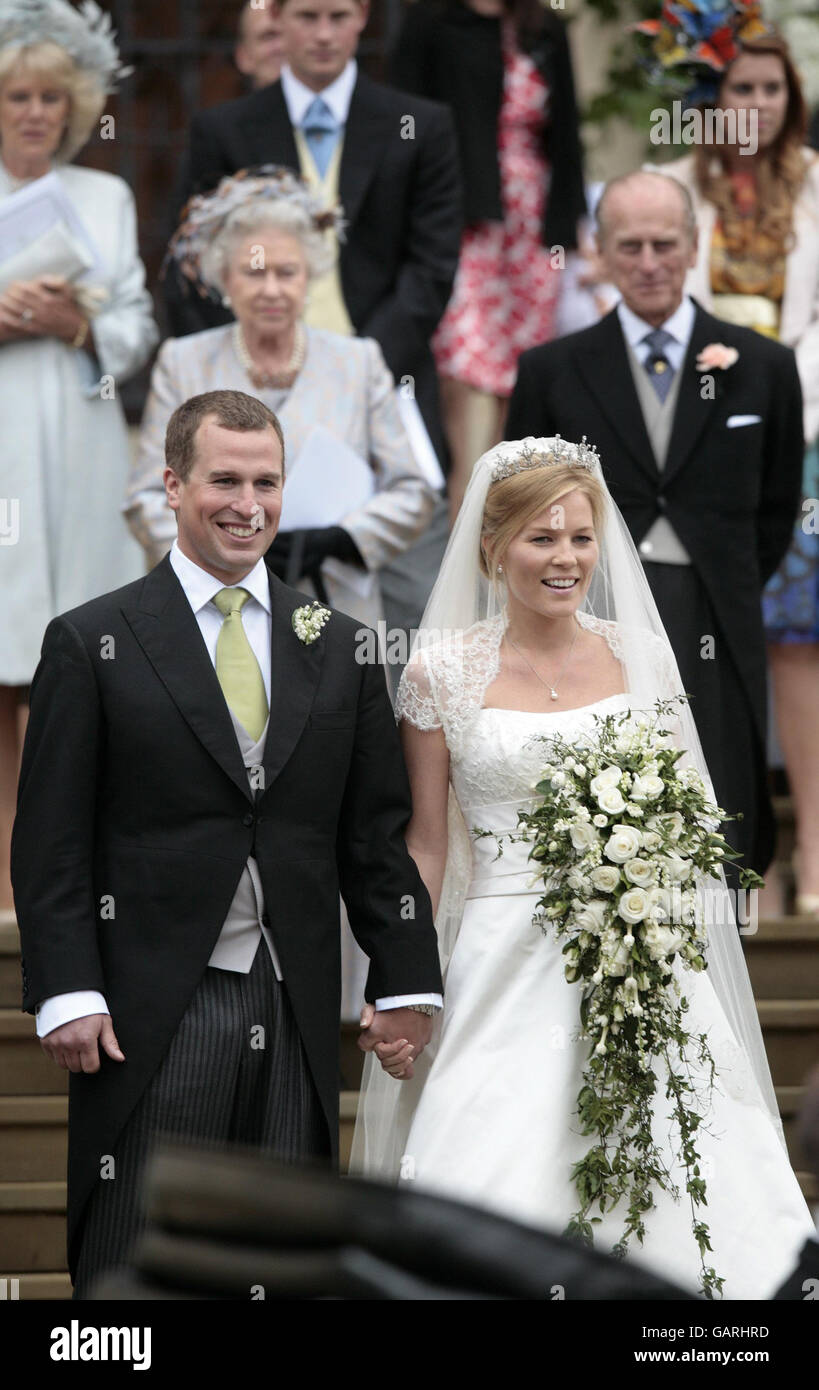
{"x":495,"y":1124}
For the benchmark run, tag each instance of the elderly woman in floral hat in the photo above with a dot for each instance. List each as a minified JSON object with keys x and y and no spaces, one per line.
{"x":258,"y":241}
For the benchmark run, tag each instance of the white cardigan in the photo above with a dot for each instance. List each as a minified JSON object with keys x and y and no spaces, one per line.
{"x":799,"y":319}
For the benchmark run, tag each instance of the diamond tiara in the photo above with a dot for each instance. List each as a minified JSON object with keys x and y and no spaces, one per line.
{"x":531,"y":453}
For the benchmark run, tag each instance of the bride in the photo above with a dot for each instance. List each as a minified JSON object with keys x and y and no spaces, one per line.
{"x":541,"y":618}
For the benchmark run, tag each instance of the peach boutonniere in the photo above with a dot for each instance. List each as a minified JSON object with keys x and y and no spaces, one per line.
{"x":717,"y":357}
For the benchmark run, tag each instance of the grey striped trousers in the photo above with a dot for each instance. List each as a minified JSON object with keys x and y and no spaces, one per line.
{"x":216,"y":1087}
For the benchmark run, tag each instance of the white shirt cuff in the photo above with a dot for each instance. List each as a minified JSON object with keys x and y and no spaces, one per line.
{"x":64,"y":1008}
{"x":400,"y":1001}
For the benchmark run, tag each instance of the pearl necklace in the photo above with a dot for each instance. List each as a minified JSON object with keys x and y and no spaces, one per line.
{"x":262,"y":379}
{"x":550,"y":686}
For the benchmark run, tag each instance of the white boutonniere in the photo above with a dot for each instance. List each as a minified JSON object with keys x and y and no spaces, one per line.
{"x":717,"y":357}
{"x":309,"y":620}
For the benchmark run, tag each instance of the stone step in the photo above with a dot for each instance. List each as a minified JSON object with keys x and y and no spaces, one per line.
{"x":790,"y":1028}
{"x":32,"y":1227}
{"x":10,"y":983}
{"x":783,"y":958}
{"x":42,"y":1287}
{"x":33,"y":1138}
{"x":24,"y":1068}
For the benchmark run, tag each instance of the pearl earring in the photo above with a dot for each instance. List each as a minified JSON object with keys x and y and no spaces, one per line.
{"x":500,"y":569}
{"x":226,"y":301}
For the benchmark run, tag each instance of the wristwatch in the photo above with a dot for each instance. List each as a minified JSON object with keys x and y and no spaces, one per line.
{"x":429,"y":1009}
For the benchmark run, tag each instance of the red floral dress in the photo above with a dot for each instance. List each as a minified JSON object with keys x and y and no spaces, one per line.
{"x":506,"y":288}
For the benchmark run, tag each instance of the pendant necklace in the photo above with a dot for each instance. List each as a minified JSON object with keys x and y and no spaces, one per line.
{"x":551,"y":686}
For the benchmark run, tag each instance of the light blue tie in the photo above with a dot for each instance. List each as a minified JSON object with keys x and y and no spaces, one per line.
{"x":657,"y":364}
{"x":321,"y":132}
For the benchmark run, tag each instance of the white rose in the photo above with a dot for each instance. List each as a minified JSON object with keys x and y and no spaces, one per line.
{"x":651,"y":840}
{"x":633,"y":906}
{"x":661,"y":941}
{"x":591,"y":917}
{"x":639,"y":872}
{"x":576,"y":879}
{"x":611,"y":800}
{"x":674,"y":824}
{"x":606,"y":878}
{"x":677,"y":868}
{"x":623,"y":844}
{"x":583,"y":836}
{"x":609,"y":777}
{"x":558,"y":779}
{"x":647,"y":788}
{"x":600,"y":820}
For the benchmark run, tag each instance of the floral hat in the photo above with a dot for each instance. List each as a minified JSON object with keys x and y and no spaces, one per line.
{"x":205,"y":214}
{"x":695,"y":41}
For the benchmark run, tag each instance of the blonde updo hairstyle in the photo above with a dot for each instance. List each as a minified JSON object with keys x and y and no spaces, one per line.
{"x":51,"y":63}
{"x":511,"y":503}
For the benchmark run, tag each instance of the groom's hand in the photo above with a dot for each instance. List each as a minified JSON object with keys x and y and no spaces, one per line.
{"x":396,"y":1036}
{"x":74,"y":1045}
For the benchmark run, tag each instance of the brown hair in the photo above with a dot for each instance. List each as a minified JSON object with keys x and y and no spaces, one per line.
{"x":233,"y":410}
{"x":513,"y":502}
{"x":780,"y":170}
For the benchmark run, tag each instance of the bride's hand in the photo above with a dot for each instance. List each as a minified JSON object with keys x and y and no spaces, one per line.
{"x":396,"y":1057}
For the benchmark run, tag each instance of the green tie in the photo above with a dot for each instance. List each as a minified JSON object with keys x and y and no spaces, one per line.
{"x":237,"y":669}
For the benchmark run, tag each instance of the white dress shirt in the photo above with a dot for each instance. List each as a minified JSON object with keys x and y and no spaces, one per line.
{"x":200,"y":587}
{"x":338,"y":95}
{"x":680,"y":326}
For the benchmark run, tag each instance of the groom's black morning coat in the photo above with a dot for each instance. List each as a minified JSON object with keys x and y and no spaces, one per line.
{"x":135,"y":821}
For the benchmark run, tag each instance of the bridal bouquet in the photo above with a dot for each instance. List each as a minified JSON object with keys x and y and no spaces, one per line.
{"x":623,"y":838}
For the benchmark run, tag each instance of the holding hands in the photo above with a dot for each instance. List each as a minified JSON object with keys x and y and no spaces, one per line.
{"x":396,"y":1036}
{"x":42,"y":308}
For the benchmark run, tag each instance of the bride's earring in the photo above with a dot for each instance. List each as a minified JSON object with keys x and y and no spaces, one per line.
{"x":500,"y":569}
{"x":226,"y":302}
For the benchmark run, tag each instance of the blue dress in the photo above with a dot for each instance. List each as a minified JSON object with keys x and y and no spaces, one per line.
{"x":790,"y":602}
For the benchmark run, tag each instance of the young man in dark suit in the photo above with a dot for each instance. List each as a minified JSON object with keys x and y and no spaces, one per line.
{"x":205,"y":769}
{"x":703,"y":461}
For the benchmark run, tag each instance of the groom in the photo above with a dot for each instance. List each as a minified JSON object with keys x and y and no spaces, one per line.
{"x":203,"y":773}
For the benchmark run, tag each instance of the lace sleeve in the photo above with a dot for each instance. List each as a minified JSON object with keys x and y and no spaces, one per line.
{"x":415,"y":700}
{"x":443,"y":685}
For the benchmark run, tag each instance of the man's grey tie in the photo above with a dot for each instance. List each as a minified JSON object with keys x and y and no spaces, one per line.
{"x":660,"y":370}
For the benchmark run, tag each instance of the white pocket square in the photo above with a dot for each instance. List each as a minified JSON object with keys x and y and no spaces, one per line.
{"x":734,"y":421}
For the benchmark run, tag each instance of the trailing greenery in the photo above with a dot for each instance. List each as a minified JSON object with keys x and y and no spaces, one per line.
{"x":625,"y":842}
